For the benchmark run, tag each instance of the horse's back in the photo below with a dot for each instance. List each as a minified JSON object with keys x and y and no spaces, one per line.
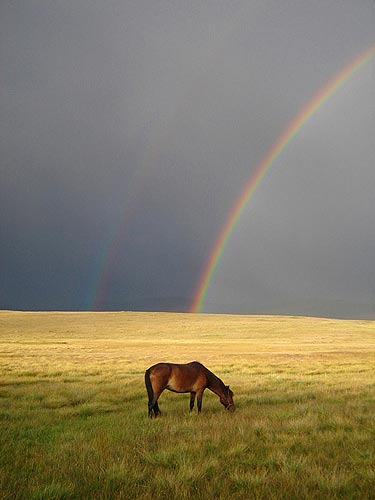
{"x":179,"y":377}
{"x":160,"y":371}
{"x":189,"y":377}
{"x":159,"y":366}
{"x":168,"y":367}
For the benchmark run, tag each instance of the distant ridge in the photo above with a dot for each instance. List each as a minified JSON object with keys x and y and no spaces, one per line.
{"x":322,"y":308}
{"x":329,"y":308}
{"x":312,"y":307}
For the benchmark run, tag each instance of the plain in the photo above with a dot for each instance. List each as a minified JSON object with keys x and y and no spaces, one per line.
{"x":73,"y":407}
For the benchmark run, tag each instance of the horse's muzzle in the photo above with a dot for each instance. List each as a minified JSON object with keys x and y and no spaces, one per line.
{"x":231,"y":408}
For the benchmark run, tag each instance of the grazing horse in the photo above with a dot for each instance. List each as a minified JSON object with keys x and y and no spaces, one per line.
{"x":192,"y":377}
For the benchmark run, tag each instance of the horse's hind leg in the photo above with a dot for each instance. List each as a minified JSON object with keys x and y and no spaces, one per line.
{"x":153,"y":403}
{"x":153,"y":408}
{"x":192,"y":400}
{"x":156,"y":409}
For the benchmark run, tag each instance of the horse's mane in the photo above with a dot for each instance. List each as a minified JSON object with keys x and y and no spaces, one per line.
{"x":212,"y":376}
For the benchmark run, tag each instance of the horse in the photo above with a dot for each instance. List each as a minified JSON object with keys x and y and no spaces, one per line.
{"x":190,"y":377}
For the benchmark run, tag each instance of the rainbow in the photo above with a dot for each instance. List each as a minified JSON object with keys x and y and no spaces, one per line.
{"x":276,"y":149}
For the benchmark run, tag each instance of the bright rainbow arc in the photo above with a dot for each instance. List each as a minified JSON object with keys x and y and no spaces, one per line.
{"x":283,"y":140}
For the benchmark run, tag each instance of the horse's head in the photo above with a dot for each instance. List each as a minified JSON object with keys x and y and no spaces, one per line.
{"x":227,"y":399}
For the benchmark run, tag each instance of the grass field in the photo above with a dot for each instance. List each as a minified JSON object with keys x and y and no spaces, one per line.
{"x":73,"y":408}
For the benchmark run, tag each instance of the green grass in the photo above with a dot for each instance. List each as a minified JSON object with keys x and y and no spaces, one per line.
{"x":73,"y":408}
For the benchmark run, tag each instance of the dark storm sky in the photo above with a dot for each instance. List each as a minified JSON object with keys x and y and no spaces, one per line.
{"x":129,"y":128}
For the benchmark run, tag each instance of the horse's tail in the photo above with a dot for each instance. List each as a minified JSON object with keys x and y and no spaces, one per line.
{"x":149,"y":388}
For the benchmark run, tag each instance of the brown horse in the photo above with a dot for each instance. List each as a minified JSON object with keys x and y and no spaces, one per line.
{"x":192,"y":377}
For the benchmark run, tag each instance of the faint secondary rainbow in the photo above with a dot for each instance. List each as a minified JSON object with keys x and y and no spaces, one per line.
{"x":282,"y":141}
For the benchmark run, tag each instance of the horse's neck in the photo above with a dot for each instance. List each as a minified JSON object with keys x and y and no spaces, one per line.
{"x":215,"y":384}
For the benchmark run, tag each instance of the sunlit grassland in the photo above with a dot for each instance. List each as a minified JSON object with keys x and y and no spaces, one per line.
{"x":73,"y":408}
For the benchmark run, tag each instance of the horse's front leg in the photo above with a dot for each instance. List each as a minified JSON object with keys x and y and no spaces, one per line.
{"x":199,"y":400}
{"x":192,"y":400}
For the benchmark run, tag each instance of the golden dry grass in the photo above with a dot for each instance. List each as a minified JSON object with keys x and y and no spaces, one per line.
{"x":73,"y":407}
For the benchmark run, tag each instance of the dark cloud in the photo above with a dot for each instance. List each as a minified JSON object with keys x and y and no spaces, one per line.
{"x":129,"y":128}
